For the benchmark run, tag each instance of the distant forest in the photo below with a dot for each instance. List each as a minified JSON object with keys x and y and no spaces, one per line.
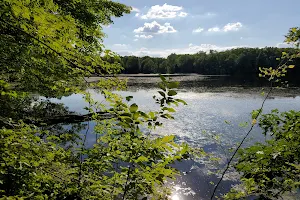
{"x":241,"y":63}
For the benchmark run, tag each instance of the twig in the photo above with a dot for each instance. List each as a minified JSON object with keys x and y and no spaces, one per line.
{"x":251,"y":128}
{"x":81,"y":152}
{"x":68,"y":119}
{"x":46,"y":45}
{"x":236,"y":150}
{"x":126,"y":184}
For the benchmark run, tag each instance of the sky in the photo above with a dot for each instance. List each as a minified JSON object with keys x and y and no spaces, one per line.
{"x":158,"y":28}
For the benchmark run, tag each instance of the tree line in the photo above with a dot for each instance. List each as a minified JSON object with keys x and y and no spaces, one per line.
{"x":47,"y":48}
{"x":240,"y":63}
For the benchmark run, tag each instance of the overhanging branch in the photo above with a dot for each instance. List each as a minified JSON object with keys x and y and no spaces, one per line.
{"x":69,"y":119}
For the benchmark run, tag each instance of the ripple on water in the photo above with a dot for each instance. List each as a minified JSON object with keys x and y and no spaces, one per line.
{"x":196,"y":123}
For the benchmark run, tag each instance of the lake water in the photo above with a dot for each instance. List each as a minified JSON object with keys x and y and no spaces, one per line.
{"x":196,"y":123}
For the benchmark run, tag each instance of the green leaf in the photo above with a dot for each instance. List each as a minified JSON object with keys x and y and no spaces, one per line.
{"x":143,"y":114}
{"x":133,"y":108}
{"x":128,"y":98}
{"x":255,"y":113}
{"x":162,"y":93}
{"x":136,"y":115}
{"x":171,"y":110}
{"x":168,"y":138}
{"x":162,"y":86}
{"x":162,"y":78}
{"x":172,"y":93}
{"x":142,"y":159}
{"x":172,"y":85}
{"x":291,"y":66}
{"x":181,"y":101}
{"x":243,"y":124}
{"x":152,"y":115}
{"x":227,"y":122}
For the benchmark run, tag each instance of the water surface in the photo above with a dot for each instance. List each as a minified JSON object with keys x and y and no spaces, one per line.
{"x":196,"y":123}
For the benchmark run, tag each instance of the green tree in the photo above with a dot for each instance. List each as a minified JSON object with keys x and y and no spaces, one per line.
{"x":49,"y":47}
{"x":56,"y":38}
{"x":164,"y":67}
{"x":240,"y":63}
{"x":270,"y":170}
{"x":132,"y":65}
{"x":149,"y":66}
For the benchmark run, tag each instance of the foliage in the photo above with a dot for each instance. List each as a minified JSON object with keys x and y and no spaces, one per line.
{"x":33,"y":167}
{"x":293,"y":36}
{"x":133,"y":164}
{"x":270,"y":170}
{"x":124,"y":163}
{"x":48,"y":47}
{"x":59,"y":39}
{"x":241,"y":63}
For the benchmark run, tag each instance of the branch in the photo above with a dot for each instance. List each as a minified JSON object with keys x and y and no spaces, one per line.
{"x":81,"y":153}
{"x":236,"y":150}
{"x":68,"y":119}
{"x":126,"y":184}
{"x":46,"y":45}
{"x":241,"y":143}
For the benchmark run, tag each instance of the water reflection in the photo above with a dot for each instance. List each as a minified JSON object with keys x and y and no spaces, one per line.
{"x":175,"y":197}
{"x":204,"y":116}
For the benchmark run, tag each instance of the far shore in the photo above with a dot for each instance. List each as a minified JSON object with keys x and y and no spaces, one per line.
{"x":157,"y":75}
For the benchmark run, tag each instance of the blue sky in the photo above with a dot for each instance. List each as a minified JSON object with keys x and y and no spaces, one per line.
{"x":159,"y":28}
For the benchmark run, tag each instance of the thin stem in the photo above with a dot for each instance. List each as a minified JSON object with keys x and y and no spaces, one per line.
{"x":126,"y":184}
{"x":81,"y":152}
{"x":46,"y":45}
{"x":251,"y":128}
{"x":241,"y":143}
{"x":114,"y":184}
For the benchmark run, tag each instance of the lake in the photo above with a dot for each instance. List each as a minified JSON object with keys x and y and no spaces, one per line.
{"x":209,"y":106}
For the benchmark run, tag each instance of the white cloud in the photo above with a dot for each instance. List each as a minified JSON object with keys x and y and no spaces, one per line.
{"x":232,"y":27}
{"x":182,"y":14}
{"x":119,"y":47}
{"x":207,"y":47}
{"x":207,"y":15}
{"x":155,"y":28}
{"x":144,"y":36}
{"x":133,"y":9}
{"x":284,"y":45}
{"x":136,"y":40}
{"x":190,"y":49}
{"x":214,"y":29}
{"x":164,"y":12}
{"x":227,"y":28}
{"x":137,"y":14}
{"x":210,"y":14}
{"x":198,"y":30}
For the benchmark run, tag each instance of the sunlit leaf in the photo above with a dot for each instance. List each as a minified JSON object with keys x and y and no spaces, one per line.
{"x":133,"y":108}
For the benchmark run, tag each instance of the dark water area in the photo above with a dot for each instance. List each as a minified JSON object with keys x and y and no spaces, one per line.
{"x":201,"y":80}
{"x":197,"y":123}
{"x":207,"y":83}
{"x":198,"y":80}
